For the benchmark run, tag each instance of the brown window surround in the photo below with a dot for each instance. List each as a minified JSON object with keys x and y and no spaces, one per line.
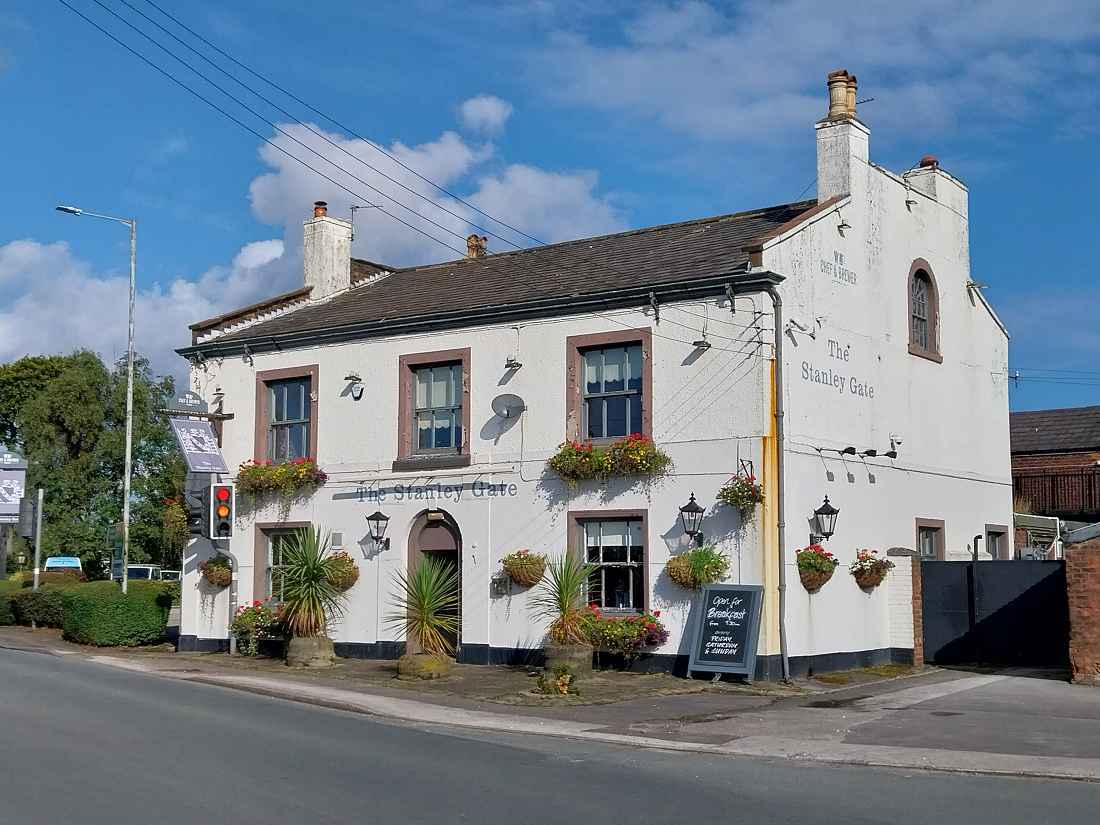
{"x":574,"y":395}
{"x":407,"y":459}
{"x":263,"y":415}
{"x":940,"y":526}
{"x":932,"y":352}
{"x":576,"y":539}
{"x":260,"y":556}
{"x":1005,"y":550}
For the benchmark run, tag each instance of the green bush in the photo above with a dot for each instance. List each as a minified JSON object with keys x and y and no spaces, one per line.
{"x":98,"y":613}
{"x":42,"y":607}
{"x":7,"y":587}
{"x":62,"y":578}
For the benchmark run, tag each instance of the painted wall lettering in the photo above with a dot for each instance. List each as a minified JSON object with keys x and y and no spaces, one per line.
{"x":437,"y":491}
{"x":836,"y":270}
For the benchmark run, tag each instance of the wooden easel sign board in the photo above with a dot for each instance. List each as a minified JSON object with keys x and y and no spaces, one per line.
{"x":726,"y":629}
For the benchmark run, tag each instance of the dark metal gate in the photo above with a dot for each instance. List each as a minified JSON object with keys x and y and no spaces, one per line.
{"x":995,"y":612}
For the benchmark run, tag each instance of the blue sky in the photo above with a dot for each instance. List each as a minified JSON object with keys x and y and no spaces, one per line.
{"x":560,"y":119}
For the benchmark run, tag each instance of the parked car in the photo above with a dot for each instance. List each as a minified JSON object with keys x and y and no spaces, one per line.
{"x":146,"y":572}
{"x":63,"y":564}
{"x":169,"y":575}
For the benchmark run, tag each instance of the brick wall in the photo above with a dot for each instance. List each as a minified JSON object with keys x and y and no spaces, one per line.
{"x":918,"y":615}
{"x":906,"y":616}
{"x":1054,"y":461}
{"x":1083,"y":583}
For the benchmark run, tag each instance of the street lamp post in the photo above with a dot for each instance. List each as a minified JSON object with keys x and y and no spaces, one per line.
{"x":132,"y":223}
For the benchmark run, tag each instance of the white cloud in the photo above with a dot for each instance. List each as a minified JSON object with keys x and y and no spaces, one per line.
{"x":756,"y":71}
{"x":485,"y":113}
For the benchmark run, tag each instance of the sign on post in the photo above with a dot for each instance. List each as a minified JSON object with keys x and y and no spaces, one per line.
{"x":199,"y":445}
{"x":727,"y":629}
{"x":13,"y":477}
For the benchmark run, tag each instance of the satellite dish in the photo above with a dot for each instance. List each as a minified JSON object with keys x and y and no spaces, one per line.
{"x":508,"y":405}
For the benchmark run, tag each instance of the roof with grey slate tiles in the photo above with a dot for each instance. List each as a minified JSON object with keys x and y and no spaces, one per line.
{"x":1056,"y":431}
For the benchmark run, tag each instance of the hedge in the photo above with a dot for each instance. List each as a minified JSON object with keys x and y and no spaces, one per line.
{"x":42,"y":607}
{"x":97,"y":613}
{"x":7,"y":587}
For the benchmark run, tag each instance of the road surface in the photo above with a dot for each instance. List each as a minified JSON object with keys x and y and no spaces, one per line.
{"x":89,"y":744}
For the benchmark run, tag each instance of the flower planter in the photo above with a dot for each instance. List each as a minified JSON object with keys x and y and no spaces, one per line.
{"x":287,"y":480}
{"x":346,"y":574}
{"x":679,"y":570}
{"x":742,"y":493}
{"x":635,"y":455}
{"x":577,"y":659}
{"x":217,"y":575}
{"x":869,"y":579}
{"x":868,"y":569}
{"x":697,"y":567}
{"x":525,"y":569}
{"x":814,"y":580}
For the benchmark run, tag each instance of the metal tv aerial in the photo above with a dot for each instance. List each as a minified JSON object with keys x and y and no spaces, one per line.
{"x":509,"y":405}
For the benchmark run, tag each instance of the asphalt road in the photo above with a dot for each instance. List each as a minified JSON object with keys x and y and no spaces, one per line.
{"x":89,"y":744}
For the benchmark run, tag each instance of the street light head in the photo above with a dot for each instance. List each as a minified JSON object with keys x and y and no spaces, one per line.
{"x":70,"y":210}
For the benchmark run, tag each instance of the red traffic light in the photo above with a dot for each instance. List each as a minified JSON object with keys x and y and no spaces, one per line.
{"x":221,"y":493}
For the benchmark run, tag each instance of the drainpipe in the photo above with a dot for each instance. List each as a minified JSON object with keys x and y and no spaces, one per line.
{"x":777,"y":303}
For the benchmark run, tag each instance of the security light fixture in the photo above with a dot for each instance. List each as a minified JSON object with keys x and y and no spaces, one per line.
{"x":512,"y":363}
{"x":701,"y":344}
{"x":691,"y":515}
{"x":848,"y":451}
{"x":353,"y":378}
{"x":891,"y":454}
{"x":825,"y":520}
{"x":377,"y":522}
{"x":869,"y":453}
{"x":843,"y":226}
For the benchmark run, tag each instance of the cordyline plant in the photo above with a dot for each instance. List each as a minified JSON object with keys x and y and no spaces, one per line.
{"x":287,"y":479}
{"x":561,"y":600}
{"x":427,"y":606}
{"x":635,"y":455}
{"x":310,"y":599}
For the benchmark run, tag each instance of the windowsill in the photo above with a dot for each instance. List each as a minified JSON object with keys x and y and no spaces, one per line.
{"x":925,"y":353}
{"x":417,"y":463}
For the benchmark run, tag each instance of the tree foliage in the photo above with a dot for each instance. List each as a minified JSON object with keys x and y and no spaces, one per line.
{"x":72,"y":429}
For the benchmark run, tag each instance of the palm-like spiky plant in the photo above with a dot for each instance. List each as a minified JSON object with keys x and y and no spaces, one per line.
{"x":561,"y":599}
{"x":310,"y":599}
{"x":427,"y":606}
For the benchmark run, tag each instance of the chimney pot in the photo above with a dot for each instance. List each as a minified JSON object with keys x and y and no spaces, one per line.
{"x":842,"y":95}
{"x":320,"y":209}
{"x":475,"y":246}
{"x":930,"y":162}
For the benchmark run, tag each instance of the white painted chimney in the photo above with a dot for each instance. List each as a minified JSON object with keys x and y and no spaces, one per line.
{"x":326,"y":253}
{"x":842,"y":141}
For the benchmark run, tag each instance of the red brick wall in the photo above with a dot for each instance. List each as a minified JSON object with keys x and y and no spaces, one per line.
{"x":1083,"y":584}
{"x":918,"y":615}
{"x":1054,"y":461}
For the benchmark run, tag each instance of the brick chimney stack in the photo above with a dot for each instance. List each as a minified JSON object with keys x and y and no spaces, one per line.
{"x":475,"y":246}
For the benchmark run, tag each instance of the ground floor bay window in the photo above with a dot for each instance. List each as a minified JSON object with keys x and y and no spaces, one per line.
{"x":615,"y":545}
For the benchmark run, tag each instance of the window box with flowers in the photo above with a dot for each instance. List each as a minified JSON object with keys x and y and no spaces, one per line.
{"x":218,"y":570}
{"x":625,"y":636}
{"x":254,"y":623}
{"x":742,"y":492}
{"x":288,"y":479}
{"x":815,"y":566}
{"x":868,"y":569}
{"x":635,"y":455}
{"x":524,"y":567}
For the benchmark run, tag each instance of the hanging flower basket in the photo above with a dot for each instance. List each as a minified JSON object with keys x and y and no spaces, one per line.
{"x":697,"y":567}
{"x":815,"y":566}
{"x":742,"y":492}
{"x":344,"y":573}
{"x":218,"y":571}
{"x":524,"y":567}
{"x":635,"y":455}
{"x":868,"y":569}
{"x":287,"y":480}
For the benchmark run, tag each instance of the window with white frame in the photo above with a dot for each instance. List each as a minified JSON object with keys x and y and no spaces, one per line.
{"x":617,"y":549}
{"x":276,"y":546}
{"x":288,"y":426}
{"x":612,"y":391}
{"x":437,"y":408}
{"x":930,"y":542}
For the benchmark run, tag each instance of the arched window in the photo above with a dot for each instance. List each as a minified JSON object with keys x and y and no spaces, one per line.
{"x":924,"y":312}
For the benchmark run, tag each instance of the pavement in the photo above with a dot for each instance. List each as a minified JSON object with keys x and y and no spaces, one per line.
{"x":1013,"y":722}
{"x":97,"y":743}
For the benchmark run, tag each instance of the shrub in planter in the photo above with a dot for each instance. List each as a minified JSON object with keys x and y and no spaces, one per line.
{"x":287,"y":480}
{"x":344,"y":572}
{"x":42,"y":607}
{"x":254,"y":623}
{"x":524,"y":567}
{"x":635,"y":455}
{"x":560,"y":599}
{"x":625,"y":636}
{"x":698,"y":566}
{"x":426,"y":611}
{"x":217,"y":570}
{"x":99,"y":613}
{"x":815,"y":566}
{"x":868,"y":569}
{"x":742,"y":492}
{"x":310,"y":599}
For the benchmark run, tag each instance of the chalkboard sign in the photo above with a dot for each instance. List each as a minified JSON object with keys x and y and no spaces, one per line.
{"x":727,"y":628}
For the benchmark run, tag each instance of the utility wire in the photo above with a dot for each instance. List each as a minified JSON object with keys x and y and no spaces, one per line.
{"x":338,"y":124}
{"x":305,"y":125}
{"x":245,"y":126}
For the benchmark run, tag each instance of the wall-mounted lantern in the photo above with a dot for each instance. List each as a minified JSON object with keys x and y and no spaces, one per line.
{"x":825,"y":520}
{"x":691,"y":515}
{"x":377,"y":522}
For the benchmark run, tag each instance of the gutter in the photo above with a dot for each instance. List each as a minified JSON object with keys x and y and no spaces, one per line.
{"x":744,"y":280}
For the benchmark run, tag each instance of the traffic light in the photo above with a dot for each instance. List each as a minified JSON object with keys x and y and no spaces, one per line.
{"x":222,"y":504}
{"x":197,"y":504}
{"x":28,"y":512}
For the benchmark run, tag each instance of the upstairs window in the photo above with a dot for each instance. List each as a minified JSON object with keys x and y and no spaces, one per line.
{"x":288,"y":430}
{"x":437,"y":411}
{"x":612,"y":391}
{"x":924,"y":311}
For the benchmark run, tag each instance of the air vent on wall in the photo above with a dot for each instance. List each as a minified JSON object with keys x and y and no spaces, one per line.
{"x":336,"y":542}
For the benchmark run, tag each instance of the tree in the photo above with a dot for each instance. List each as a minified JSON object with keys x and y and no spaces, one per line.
{"x":73,"y":431}
{"x":20,"y":381}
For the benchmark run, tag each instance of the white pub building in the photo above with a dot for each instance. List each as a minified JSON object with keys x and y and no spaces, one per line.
{"x":834,"y":348}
